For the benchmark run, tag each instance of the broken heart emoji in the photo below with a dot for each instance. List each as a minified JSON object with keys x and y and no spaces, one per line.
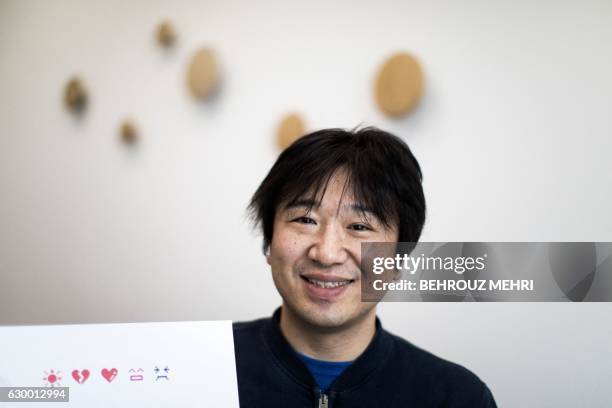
{"x":81,"y":376}
{"x":109,"y":375}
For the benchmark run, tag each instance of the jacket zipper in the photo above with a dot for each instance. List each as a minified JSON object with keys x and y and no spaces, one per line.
{"x":323,"y":403}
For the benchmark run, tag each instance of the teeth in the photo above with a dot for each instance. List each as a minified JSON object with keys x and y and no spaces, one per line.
{"x":326,"y":284}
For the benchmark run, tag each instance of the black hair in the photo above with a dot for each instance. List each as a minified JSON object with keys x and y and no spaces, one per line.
{"x":381,"y":171}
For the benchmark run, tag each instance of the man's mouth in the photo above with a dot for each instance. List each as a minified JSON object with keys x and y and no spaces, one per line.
{"x":326,"y":282}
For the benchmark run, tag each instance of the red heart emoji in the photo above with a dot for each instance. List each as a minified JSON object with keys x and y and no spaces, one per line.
{"x":80,"y":377}
{"x":109,"y":375}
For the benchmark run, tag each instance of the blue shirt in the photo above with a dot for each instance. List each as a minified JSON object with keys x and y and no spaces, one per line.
{"x":324,"y":372}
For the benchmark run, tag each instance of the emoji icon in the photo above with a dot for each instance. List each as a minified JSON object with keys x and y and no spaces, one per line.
{"x":81,"y":376}
{"x":161,"y":373}
{"x":109,"y":375}
{"x":53,"y":379}
{"x":136,"y":377}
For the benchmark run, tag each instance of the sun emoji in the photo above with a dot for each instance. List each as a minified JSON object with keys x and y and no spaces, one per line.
{"x":53,"y":379}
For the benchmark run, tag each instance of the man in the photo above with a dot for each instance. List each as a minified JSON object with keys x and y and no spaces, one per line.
{"x":327,"y":193}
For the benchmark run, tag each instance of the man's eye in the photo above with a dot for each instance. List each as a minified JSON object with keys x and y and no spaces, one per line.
{"x":360,"y":227}
{"x":304,"y":220}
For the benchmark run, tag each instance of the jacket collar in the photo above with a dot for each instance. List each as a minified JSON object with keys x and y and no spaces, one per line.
{"x":374,"y":356}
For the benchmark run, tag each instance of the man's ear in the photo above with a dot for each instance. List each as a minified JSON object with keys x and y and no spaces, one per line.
{"x":268,"y":256}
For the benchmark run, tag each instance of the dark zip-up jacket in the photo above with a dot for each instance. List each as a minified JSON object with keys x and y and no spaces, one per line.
{"x":390,"y":373}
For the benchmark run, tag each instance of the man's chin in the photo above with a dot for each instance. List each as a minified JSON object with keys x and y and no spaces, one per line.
{"x":327,"y":316}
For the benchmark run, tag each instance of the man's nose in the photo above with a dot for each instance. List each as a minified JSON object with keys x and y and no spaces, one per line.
{"x":329,"y":246}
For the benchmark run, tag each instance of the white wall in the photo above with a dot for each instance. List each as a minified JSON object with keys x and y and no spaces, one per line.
{"x":514,"y":136}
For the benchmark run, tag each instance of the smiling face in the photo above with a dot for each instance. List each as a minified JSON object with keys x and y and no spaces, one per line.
{"x":315,"y":256}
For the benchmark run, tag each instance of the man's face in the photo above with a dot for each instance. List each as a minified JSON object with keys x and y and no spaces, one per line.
{"x":315,"y":256}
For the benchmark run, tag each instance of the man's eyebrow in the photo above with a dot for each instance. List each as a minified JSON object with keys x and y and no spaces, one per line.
{"x":362,"y":208}
{"x":309,"y":203}
{"x":302,"y":202}
{"x":365,"y":211}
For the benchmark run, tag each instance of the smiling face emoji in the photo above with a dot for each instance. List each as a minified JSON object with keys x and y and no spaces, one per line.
{"x":136,"y":374}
